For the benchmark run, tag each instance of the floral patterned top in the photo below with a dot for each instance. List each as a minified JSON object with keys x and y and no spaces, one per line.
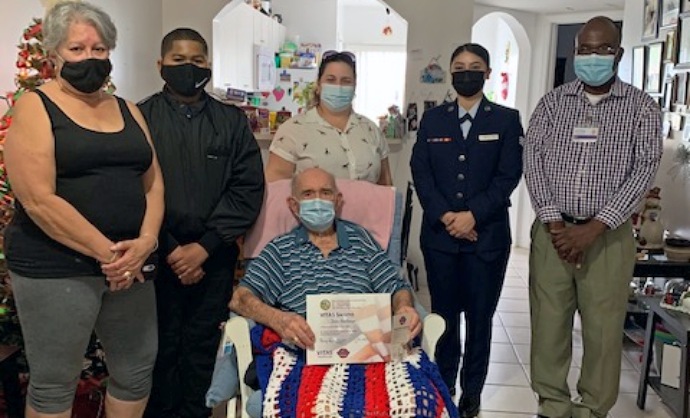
{"x":307,"y":141}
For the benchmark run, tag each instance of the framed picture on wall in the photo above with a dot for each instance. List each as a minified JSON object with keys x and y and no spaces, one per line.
{"x":667,"y":98}
{"x":638,"y":66}
{"x":650,"y":23}
{"x":654,"y":82}
{"x":670,"y":9}
{"x":670,"y":51}
{"x":681,"y":88}
{"x":684,"y":43}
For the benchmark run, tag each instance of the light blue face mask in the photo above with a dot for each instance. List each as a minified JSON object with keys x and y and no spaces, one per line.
{"x":336,"y":97}
{"x":594,"y":70}
{"x":316,"y":214}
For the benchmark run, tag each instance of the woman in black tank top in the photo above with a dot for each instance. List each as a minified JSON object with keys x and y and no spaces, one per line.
{"x":89,"y":205}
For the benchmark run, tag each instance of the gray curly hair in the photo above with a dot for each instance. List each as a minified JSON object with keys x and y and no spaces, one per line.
{"x":59,"y":18}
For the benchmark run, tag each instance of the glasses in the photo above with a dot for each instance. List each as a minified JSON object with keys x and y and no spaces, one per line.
{"x":599,"y":50}
{"x":332,"y":54}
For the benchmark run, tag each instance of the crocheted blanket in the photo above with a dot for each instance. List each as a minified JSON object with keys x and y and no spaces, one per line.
{"x":290,"y":388}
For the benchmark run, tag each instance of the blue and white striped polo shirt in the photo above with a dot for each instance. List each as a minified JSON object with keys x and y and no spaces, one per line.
{"x":291,"y":267}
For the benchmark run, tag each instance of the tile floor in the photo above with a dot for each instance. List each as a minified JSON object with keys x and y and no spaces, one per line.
{"x":507,"y":393}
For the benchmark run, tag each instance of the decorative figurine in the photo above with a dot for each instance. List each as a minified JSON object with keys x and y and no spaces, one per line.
{"x":650,"y":228}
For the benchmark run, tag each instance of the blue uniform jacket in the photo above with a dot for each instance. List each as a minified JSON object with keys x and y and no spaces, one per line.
{"x":477,"y":174}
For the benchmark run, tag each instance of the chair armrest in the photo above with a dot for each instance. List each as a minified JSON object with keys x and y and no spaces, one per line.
{"x":237,"y":331}
{"x":433,"y":328}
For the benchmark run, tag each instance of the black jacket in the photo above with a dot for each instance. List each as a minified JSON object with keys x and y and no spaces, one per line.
{"x":211,"y":164}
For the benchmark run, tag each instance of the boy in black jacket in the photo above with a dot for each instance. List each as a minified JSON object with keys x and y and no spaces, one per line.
{"x":214,"y":181}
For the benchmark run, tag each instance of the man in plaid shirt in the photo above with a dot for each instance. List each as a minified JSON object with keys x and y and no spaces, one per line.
{"x":591,"y":152}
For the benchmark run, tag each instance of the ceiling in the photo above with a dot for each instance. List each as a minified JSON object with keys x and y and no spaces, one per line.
{"x":534,"y":6}
{"x":556,"y":6}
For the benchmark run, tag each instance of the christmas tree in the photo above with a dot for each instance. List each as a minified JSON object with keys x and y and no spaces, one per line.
{"x":33,"y":69}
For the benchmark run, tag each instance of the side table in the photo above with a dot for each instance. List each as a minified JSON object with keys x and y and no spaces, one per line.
{"x":9,"y":375}
{"x":678,"y":324}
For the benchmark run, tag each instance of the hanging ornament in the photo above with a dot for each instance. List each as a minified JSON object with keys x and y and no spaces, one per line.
{"x":387,"y":28}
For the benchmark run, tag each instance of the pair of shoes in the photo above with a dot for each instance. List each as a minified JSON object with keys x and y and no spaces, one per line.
{"x":469,"y":406}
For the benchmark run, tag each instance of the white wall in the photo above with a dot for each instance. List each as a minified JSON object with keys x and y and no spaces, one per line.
{"x":632,"y":36}
{"x":311,"y":20}
{"x":364,"y":26}
{"x":197,"y":15}
{"x":139,"y":36}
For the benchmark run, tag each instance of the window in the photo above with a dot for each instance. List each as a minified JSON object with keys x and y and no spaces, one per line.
{"x":380,"y":79}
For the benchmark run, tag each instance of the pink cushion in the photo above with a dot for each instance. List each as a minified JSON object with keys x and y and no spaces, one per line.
{"x":369,"y":205}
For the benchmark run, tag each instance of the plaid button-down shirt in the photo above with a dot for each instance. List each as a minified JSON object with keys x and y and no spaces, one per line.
{"x":604,"y":179}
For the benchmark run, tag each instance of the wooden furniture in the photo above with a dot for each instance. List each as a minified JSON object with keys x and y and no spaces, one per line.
{"x":678,"y":324}
{"x":9,"y":376}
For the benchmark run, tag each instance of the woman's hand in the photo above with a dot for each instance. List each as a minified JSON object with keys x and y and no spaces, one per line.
{"x":130,"y":257}
{"x":460,"y":225}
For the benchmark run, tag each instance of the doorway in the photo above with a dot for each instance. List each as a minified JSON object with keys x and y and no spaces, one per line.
{"x":509,"y":47}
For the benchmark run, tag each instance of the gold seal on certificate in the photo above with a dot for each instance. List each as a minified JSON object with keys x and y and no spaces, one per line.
{"x":354,"y":328}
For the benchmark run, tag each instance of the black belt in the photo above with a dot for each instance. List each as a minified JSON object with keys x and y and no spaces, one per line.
{"x":575,"y":220}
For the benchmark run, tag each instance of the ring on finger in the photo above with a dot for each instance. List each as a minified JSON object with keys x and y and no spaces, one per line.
{"x":128,"y":275}
{"x":296,"y":339}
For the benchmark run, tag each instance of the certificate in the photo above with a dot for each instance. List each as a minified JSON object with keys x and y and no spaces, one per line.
{"x":354,"y":328}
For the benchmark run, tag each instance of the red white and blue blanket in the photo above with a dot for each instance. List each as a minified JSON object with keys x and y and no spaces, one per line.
{"x":409,"y":388}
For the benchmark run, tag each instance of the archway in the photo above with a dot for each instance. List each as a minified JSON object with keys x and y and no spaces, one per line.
{"x":511,"y":53}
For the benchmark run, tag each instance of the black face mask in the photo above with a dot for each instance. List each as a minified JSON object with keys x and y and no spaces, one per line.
{"x":187,"y":79}
{"x":87,"y":76}
{"x":468,"y":83}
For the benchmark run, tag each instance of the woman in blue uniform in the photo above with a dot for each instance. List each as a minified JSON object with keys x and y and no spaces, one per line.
{"x":465,"y":164}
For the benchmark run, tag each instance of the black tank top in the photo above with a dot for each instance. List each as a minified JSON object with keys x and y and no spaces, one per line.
{"x":98,"y":173}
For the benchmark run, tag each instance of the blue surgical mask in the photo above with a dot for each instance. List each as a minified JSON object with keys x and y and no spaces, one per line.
{"x":594,"y":70}
{"x":337,"y":98}
{"x":317,"y":214}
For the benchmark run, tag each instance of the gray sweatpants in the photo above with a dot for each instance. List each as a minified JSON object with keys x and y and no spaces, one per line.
{"x":57,"y":317}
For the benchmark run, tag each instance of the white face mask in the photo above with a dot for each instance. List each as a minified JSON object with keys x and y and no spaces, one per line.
{"x":336,"y":97}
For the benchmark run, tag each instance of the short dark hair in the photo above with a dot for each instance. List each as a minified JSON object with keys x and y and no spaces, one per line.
{"x":475,"y":49}
{"x":182,"y":34}
{"x":339,"y":57}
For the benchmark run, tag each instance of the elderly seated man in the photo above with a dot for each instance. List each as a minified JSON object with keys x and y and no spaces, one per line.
{"x":324,"y":255}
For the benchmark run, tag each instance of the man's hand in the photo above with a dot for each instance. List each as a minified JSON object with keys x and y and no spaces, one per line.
{"x":293,"y":328}
{"x":186,"y":261}
{"x":414,"y":324}
{"x":571,"y":243}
